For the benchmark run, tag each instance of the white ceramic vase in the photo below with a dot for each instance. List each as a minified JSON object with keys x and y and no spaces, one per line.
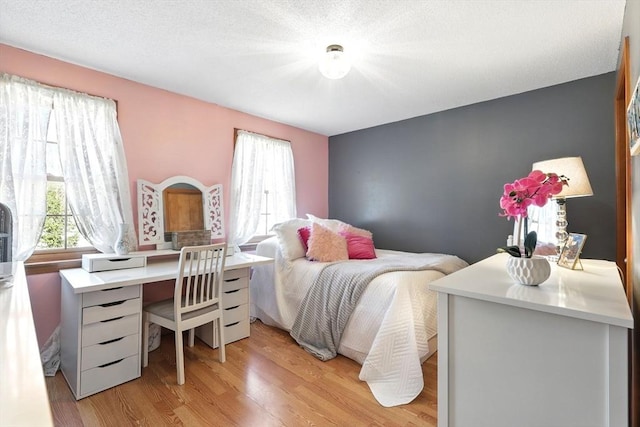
{"x":121,"y":245}
{"x":528,"y":271}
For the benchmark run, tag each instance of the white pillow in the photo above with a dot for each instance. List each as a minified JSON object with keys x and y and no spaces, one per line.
{"x":334,"y":225}
{"x":290,"y":243}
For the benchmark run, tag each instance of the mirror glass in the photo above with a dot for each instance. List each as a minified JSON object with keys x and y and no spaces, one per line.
{"x":182,"y":208}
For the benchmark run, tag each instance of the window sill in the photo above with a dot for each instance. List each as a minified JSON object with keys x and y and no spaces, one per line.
{"x":52,"y":262}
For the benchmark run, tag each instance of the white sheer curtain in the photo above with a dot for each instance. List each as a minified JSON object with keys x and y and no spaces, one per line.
{"x":25,"y":107}
{"x":260,"y":163}
{"x":94,"y":167}
{"x":92,"y":160}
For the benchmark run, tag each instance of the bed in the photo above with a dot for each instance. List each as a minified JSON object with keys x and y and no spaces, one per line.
{"x":392,"y":328}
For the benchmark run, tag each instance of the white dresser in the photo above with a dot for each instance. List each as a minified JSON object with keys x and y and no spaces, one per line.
{"x":235,"y":302}
{"x":102,"y":318}
{"x":23,"y":391}
{"x":547,"y":355}
{"x":100,"y":337}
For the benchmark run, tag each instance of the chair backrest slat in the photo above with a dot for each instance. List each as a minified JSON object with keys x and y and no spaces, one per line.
{"x":199,"y":281}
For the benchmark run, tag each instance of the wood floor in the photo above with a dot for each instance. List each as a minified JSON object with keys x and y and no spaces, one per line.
{"x":267,"y":380}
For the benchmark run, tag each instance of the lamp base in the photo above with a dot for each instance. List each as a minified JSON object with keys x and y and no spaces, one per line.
{"x":561,"y":224}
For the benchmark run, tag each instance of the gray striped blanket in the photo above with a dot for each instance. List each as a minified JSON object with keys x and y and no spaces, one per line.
{"x":335,"y":292}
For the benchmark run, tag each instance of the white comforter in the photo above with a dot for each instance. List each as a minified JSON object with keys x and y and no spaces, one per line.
{"x":387,"y":333}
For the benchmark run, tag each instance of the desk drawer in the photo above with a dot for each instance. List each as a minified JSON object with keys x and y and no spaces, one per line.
{"x":106,"y":296}
{"x":109,"y":329}
{"x":232,"y":332}
{"x":230,"y":275}
{"x":112,"y":310}
{"x":108,"y":351}
{"x":235,"y":297}
{"x":236,"y":331}
{"x":109,"y":375}
{"x":235,"y":283}
{"x":235,"y":314}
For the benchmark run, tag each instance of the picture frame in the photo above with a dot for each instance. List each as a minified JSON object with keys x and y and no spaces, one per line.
{"x":633,"y":120}
{"x":570,"y":254}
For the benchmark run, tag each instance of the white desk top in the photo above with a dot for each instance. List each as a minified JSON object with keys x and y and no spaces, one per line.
{"x":594,"y":294}
{"x":23,"y":392}
{"x":83,"y":281}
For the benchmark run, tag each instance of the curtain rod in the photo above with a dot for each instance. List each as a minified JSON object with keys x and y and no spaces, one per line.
{"x":235,"y":135}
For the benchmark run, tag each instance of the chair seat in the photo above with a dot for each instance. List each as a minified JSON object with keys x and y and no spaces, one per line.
{"x":164,"y":309}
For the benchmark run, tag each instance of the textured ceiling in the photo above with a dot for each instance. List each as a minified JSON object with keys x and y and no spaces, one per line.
{"x":410,"y":57}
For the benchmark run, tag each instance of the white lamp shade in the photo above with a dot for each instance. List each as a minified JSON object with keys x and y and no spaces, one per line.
{"x":572,"y":168}
{"x":334,"y":64}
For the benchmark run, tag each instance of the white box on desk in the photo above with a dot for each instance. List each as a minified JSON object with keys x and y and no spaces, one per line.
{"x":105,"y":262}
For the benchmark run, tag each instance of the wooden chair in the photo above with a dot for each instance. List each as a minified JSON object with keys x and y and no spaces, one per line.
{"x":196,"y":301}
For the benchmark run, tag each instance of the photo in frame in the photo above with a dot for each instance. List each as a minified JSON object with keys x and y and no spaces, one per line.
{"x":633,"y":120}
{"x":570,"y":254}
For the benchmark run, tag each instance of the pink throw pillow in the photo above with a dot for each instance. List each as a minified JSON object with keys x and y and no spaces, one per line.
{"x":304,"y":233}
{"x":359,"y":247}
{"x":348,"y":228}
{"x":325,"y":245}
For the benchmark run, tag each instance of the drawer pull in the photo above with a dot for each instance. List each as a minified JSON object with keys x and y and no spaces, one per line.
{"x":232,"y":292}
{"x":111,"y":304}
{"x":232,"y":308}
{"x":111,"y":289}
{"x":231,"y":324}
{"x":111,"y":320}
{"x":232,"y":280}
{"x":110,"y":363}
{"x":119,"y":259}
{"x":110,"y":341}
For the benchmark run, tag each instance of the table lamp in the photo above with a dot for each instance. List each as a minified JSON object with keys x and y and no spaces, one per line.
{"x":573,"y":169}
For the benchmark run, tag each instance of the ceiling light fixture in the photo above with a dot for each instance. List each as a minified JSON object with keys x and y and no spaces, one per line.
{"x":334,"y":64}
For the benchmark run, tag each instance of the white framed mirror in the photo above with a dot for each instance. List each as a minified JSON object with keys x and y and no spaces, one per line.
{"x":151,"y":209}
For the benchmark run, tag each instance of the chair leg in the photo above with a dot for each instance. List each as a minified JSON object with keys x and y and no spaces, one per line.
{"x":221,"y":352}
{"x":145,"y":340}
{"x":179,"y":357}
{"x":192,"y":334}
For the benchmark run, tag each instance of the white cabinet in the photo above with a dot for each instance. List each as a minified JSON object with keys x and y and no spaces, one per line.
{"x":100,"y":337}
{"x":547,"y":355}
{"x":235,"y":302}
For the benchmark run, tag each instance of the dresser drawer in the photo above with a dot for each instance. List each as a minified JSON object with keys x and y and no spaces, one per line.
{"x":106,"y":330}
{"x":232,"y":332}
{"x":106,"y":296}
{"x":108,"y":351}
{"x":109,"y":375}
{"x":236,"y":331}
{"x":230,"y":275}
{"x":235,"y":314}
{"x":98,"y":313}
{"x":235,"y":297}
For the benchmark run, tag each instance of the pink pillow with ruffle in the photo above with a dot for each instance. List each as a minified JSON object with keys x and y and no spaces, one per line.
{"x":325,"y":245}
{"x":359,"y":247}
{"x":304,"y":233}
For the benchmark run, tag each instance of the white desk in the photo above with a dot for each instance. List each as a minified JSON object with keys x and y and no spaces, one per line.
{"x":547,"y":355}
{"x":23,"y":392}
{"x":101,"y":318}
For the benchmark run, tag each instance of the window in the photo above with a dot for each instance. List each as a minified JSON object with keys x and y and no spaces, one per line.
{"x":42,"y":189}
{"x":60,"y":231}
{"x":262,"y":186}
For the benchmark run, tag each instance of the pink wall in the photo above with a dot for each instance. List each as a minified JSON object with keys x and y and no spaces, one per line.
{"x":167,"y":134}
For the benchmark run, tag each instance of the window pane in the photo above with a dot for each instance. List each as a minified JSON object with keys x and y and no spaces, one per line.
{"x":53,"y":160}
{"x":74,"y":238}
{"x":55,"y":198}
{"x":52,"y":234}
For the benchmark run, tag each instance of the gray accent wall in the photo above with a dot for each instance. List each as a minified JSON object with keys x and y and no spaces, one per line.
{"x":432,"y":183}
